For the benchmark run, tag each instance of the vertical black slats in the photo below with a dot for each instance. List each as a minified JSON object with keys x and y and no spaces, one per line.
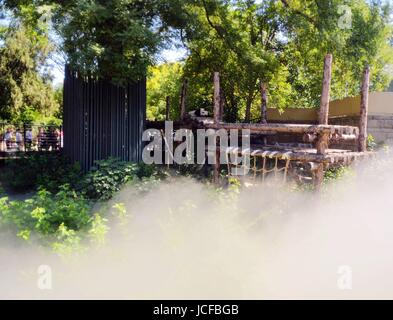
{"x":112,"y":113}
{"x":95,"y":119}
{"x":142,"y":117}
{"x":129,"y":125}
{"x":89,"y":124}
{"x":102,"y":119}
{"x":65,"y":102}
{"x":106,"y":120}
{"x":133,"y":97}
{"x":114,"y":121}
{"x":122,"y":125}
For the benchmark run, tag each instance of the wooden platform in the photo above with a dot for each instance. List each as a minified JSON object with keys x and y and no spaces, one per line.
{"x":331,"y":156}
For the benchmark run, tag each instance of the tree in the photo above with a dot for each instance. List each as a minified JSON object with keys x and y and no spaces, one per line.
{"x":283,"y":43}
{"x":163,"y":81}
{"x":240,"y":41}
{"x":23,"y":86}
{"x":355,"y":32}
{"x":112,"y":39}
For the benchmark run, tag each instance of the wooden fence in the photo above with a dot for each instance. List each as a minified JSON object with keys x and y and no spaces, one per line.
{"x":102,"y":120}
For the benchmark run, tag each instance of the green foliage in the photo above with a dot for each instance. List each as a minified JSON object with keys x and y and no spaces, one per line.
{"x":106,"y":178}
{"x":51,"y":219}
{"x":163,"y":80}
{"x":283,"y":43}
{"x":32,"y":171}
{"x":62,"y":221}
{"x":337,"y":173}
{"x":371,"y":144}
{"x":355,"y":32}
{"x":243,"y":45}
{"x":25,"y":90}
{"x":115,"y":39}
{"x":99,"y":229}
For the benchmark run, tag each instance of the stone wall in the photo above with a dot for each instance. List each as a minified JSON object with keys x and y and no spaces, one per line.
{"x":381,"y":127}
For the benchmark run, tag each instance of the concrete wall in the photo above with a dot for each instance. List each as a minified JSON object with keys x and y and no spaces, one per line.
{"x":346,"y":112}
{"x":295,"y":115}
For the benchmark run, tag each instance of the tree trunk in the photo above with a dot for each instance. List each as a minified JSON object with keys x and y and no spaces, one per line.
{"x":183,"y":95}
{"x":263,"y":103}
{"x":217,"y":98}
{"x":325,"y":97}
{"x":167,"y":108}
{"x":248,"y":110}
{"x":364,"y":110}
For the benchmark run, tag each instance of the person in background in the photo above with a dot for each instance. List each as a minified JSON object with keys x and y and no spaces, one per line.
{"x":8,"y":138}
{"x":51,"y":139}
{"x":18,"y":139}
{"x":41,"y":139}
{"x":58,"y":138}
{"x":29,"y":139}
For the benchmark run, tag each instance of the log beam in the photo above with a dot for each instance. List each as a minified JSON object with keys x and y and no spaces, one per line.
{"x":285,"y":128}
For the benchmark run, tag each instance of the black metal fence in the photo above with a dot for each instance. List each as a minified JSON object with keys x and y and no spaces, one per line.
{"x":29,"y":137}
{"x":102,"y":120}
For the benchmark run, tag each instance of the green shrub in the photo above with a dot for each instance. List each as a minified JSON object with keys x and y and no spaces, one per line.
{"x":371,"y":144}
{"x":106,"y":178}
{"x":151,"y":171}
{"x":61,"y":221}
{"x":337,"y":173}
{"x":46,"y":214}
{"x":36,"y":170}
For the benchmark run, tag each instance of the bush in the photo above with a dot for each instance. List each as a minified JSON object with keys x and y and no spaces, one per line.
{"x":371,"y":144}
{"x":336,"y":173}
{"x":106,"y":178}
{"x":36,"y":170}
{"x":45,"y":212}
{"x":61,"y":221}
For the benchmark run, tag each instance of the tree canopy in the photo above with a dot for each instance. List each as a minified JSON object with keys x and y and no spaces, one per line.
{"x":281,"y":43}
{"x":25,"y":85}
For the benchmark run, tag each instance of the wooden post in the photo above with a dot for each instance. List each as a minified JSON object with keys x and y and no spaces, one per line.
{"x":183,"y":95}
{"x":364,"y":110}
{"x":222,"y":100}
{"x":217,"y":165}
{"x":167,"y":108}
{"x":327,"y":77}
{"x":322,"y":142}
{"x":321,"y":145}
{"x":217,"y":103}
{"x":318,"y":177}
{"x":217,"y":119}
{"x":263,"y":103}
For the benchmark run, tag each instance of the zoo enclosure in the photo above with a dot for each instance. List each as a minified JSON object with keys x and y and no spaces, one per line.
{"x":315,"y":145}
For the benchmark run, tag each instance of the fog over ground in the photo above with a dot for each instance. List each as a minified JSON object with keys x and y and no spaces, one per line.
{"x":182,"y":241}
